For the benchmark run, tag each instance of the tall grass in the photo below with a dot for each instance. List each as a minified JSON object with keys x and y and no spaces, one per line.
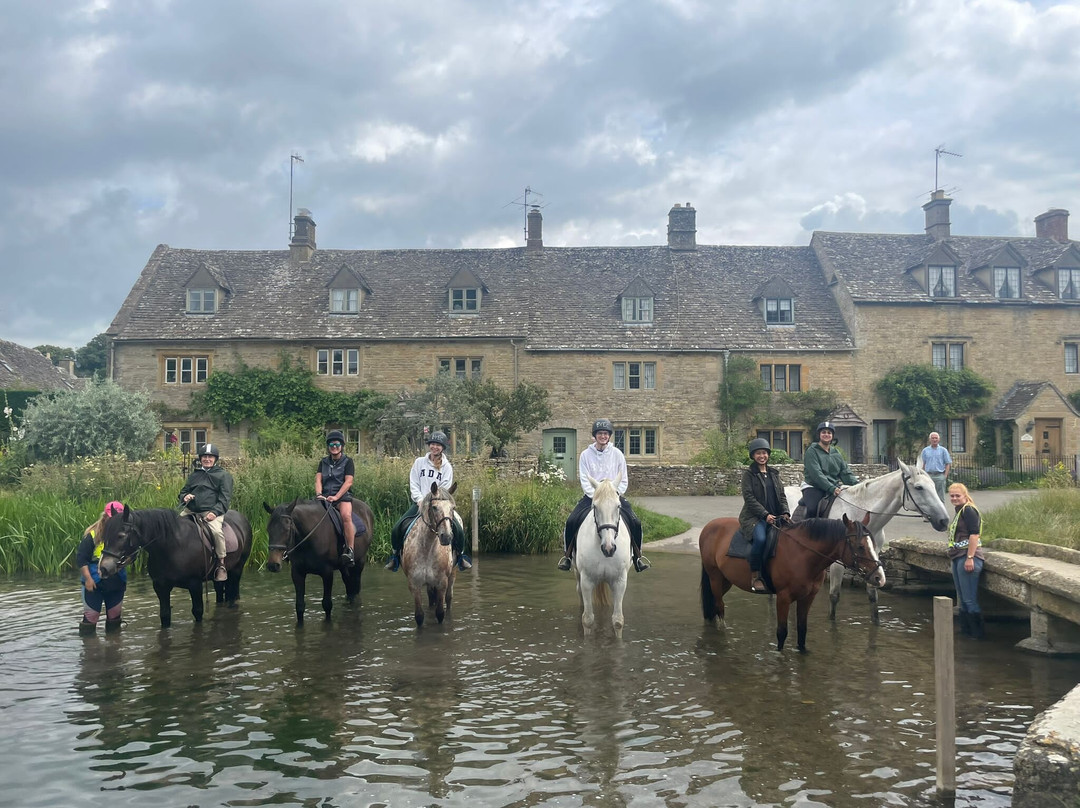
{"x":1050,"y":516}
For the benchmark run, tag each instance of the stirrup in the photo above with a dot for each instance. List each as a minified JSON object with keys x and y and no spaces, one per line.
{"x":564,"y":563}
{"x":221,"y":575}
{"x":641,"y":563}
{"x":348,"y":556}
{"x":464,"y":562}
{"x":393,"y":564}
{"x":757,"y":586}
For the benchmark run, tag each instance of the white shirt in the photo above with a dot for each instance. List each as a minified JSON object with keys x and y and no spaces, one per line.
{"x":424,"y":473}
{"x":605,"y":465}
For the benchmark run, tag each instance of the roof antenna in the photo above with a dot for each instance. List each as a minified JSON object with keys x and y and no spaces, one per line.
{"x":940,"y":150}
{"x":527,"y":205}
{"x":293,"y":160}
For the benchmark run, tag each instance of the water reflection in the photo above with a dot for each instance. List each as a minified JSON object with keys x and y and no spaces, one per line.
{"x":504,"y":704}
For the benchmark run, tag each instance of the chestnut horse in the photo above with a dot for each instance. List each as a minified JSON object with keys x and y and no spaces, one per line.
{"x":803,"y":553}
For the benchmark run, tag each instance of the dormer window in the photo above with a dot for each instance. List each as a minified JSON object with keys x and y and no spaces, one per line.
{"x":464,"y":301}
{"x":942,"y":281}
{"x":637,"y":309}
{"x":201,"y":301}
{"x":344,"y":301}
{"x":1007,"y":283}
{"x":779,"y":311}
{"x":1068,"y":284}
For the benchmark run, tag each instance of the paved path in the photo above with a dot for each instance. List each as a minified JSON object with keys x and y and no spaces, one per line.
{"x":699,"y":511}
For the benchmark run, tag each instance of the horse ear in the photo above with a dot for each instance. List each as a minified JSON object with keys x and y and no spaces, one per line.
{"x":453,"y":487}
{"x":268,"y":509}
{"x":434,"y":488}
{"x":592,"y":482}
{"x":847,"y":522}
{"x":904,"y":467}
{"x":866,"y":519}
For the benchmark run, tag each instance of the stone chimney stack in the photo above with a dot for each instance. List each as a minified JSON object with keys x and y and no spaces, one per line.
{"x":303,"y":241}
{"x":937,"y":215}
{"x":1053,"y":224}
{"x":67,"y":367}
{"x":534,"y":230}
{"x":682,"y":227}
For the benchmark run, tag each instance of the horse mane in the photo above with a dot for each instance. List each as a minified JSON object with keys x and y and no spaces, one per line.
{"x":605,"y":491}
{"x":830,"y":530}
{"x":157,"y":520}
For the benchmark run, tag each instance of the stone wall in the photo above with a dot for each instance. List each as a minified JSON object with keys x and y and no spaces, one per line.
{"x":1047,"y":765}
{"x":660,"y":481}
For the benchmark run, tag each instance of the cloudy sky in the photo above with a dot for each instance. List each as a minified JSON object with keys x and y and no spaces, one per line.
{"x":129,"y":123}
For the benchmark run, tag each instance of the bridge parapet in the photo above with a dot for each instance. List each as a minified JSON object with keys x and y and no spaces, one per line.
{"x":1048,"y":584}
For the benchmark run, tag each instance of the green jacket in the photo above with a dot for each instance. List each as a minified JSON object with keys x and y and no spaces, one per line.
{"x":212,"y":488}
{"x":826,"y":470}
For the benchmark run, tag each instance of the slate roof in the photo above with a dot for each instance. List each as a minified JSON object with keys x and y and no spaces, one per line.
{"x":1020,"y":396}
{"x":554,"y":298}
{"x":24,"y":368}
{"x":872,"y":266}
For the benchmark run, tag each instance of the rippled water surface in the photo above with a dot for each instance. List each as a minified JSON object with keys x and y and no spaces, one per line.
{"x":505,"y":704}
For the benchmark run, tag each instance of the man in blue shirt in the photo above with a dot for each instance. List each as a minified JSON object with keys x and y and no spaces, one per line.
{"x":936,"y":461}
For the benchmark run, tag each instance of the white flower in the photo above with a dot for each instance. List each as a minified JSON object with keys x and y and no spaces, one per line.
{"x":7,"y":412}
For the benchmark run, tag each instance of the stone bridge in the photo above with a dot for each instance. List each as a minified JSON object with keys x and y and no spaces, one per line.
{"x":1042,"y":578}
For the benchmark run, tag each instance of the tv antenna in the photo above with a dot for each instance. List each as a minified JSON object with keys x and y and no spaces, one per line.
{"x":940,"y":150}
{"x":527,"y":205}
{"x":293,"y":160}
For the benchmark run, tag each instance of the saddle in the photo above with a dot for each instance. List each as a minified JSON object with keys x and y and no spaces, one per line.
{"x":339,"y":528}
{"x":740,"y":545}
{"x":232,"y":538}
{"x":800,"y":513}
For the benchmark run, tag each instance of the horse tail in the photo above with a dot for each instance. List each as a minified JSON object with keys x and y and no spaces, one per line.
{"x":601,"y":596}
{"x":708,"y":601}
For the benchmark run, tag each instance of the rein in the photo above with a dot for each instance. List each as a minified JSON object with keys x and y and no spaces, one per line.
{"x":285,"y":550}
{"x":854,"y":568}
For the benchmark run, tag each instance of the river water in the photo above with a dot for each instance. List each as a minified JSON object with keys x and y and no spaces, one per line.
{"x":505,"y":704}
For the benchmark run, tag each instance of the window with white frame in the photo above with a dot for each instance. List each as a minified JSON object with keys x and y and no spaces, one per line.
{"x":954,"y":431}
{"x":781,"y":378}
{"x":947,"y":355}
{"x":779,"y":310}
{"x":344,"y":301}
{"x":464,"y":301}
{"x":634,"y":375}
{"x":463,"y":367}
{"x":636,"y":441}
{"x":1007,"y":283}
{"x":201,"y":301}
{"x":337,"y":362}
{"x":186,"y":369}
{"x":942,"y":280}
{"x":1068,"y":284}
{"x":1072,"y":357}
{"x":637,"y":309}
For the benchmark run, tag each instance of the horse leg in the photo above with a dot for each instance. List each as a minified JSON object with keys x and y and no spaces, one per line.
{"x":350,"y":576}
{"x":328,"y":593}
{"x":783,"y":604}
{"x":836,"y":582}
{"x":164,"y":596}
{"x":588,"y":616}
{"x":196,"y":602}
{"x":418,"y":604}
{"x":871,"y":594}
{"x":299,"y":580}
{"x":802,"y":610}
{"x":618,"y":589}
{"x":440,"y":603}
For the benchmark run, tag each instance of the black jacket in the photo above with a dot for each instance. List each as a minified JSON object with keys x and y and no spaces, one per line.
{"x":212,"y":488}
{"x":754,"y":497}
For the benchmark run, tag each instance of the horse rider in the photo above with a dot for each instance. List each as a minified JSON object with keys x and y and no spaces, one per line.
{"x":333,"y":480}
{"x":428,"y":468}
{"x":824,"y":469}
{"x":602,"y":461}
{"x":206,"y":493}
{"x":764,"y":505}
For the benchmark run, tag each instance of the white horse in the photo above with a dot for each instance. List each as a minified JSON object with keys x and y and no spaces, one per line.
{"x":909,"y":488}
{"x":602,"y":559}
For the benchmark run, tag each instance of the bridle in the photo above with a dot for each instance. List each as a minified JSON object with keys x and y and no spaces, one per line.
{"x":285,"y":549}
{"x":434,"y":526}
{"x":125,"y":557}
{"x":852,"y":545}
{"x":905,"y":497}
{"x":601,"y":526}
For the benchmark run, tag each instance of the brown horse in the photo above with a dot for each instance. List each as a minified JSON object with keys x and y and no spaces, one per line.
{"x":426,"y":559}
{"x":803,"y":554}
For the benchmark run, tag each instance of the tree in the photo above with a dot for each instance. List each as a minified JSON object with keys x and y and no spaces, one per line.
{"x":92,"y":358}
{"x":101,"y":419}
{"x":509,"y":413}
{"x":741,"y":393}
{"x":926,"y":394}
{"x":55,"y":352}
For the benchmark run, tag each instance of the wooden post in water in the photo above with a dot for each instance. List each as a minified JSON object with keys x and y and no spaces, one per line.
{"x":475,"y":521}
{"x":945,"y":696}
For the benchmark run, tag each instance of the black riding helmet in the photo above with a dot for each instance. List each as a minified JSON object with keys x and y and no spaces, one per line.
{"x":440,"y":438}
{"x":824,"y":425}
{"x":209,"y":449}
{"x":604,"y":425}
{"x":759,"y":443}
{"x":336,"y":435}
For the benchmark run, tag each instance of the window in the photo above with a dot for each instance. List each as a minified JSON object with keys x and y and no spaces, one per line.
{"x":788,"y":440}
{"x":956,"y":431}
{"x":462,"y":367}
{"x":942,"y":281}
{"x":189,"y":440}
{"x":637,"y":309}
{"x":779,"y":310}
{"x":634,"y":376}
{"x":1007,"y":283}
{"x":1072,"y":358}
{"x":464,"y":301}
{"x":1069,"y":284}
{"x":782,"y":378}
{"x":201,"y":301}
{"x":638,"y":441}
{"x":558,"y":444}
{"x":186,"y":369}
{"x":337,"y":362}
{"x":947,"y":355}
{"x":344,"y":301}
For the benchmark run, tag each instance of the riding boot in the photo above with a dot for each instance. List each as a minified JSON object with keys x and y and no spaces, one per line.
{"x":393,"y":564}
{"x":463,"y":562}
{"x":757,"y":583}
{"x":977,"y":630}
{"x":348,"y":558}
{"x":87,"y":629}
{"x":965,"y":622}
{"x":641,"y":563}
{"x":564,"y":563}
{"x":221,"y":575}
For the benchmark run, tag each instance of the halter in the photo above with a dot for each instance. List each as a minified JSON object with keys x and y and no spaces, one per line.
{"x":286,"y":551}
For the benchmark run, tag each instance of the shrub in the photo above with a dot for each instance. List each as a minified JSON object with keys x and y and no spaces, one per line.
{"x":1056,"y":477}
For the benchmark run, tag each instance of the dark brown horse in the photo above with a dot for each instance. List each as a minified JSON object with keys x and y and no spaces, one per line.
{"x":803,"y":554}
{"x":175,"y":555}
{"x":301,"y":533}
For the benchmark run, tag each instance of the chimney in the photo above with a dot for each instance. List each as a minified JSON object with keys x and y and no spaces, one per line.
{"x":682,"y":227}
{"x":937,"y":215}
{"x":303,"y":241}
{"x":1053,"y":224}
{"x":534,"y":230}
{"x":67,"y":366}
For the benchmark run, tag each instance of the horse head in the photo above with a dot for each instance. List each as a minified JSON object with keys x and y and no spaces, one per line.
{"x":121,"y":539}
{"x":860,"y":553}
{"x":606,"y":513}
{"x":919,"y":489}
{"x":437,"y":511}
{"x":281,"y":532}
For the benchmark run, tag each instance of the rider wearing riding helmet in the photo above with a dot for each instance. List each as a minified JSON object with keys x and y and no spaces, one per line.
{"x":602,"y":461}
{"x":207,"y":493}
{"x":333,"y":479}
{"x":429,"y":468}
{"x":824,"y":469}
{"x":764,"y":504}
